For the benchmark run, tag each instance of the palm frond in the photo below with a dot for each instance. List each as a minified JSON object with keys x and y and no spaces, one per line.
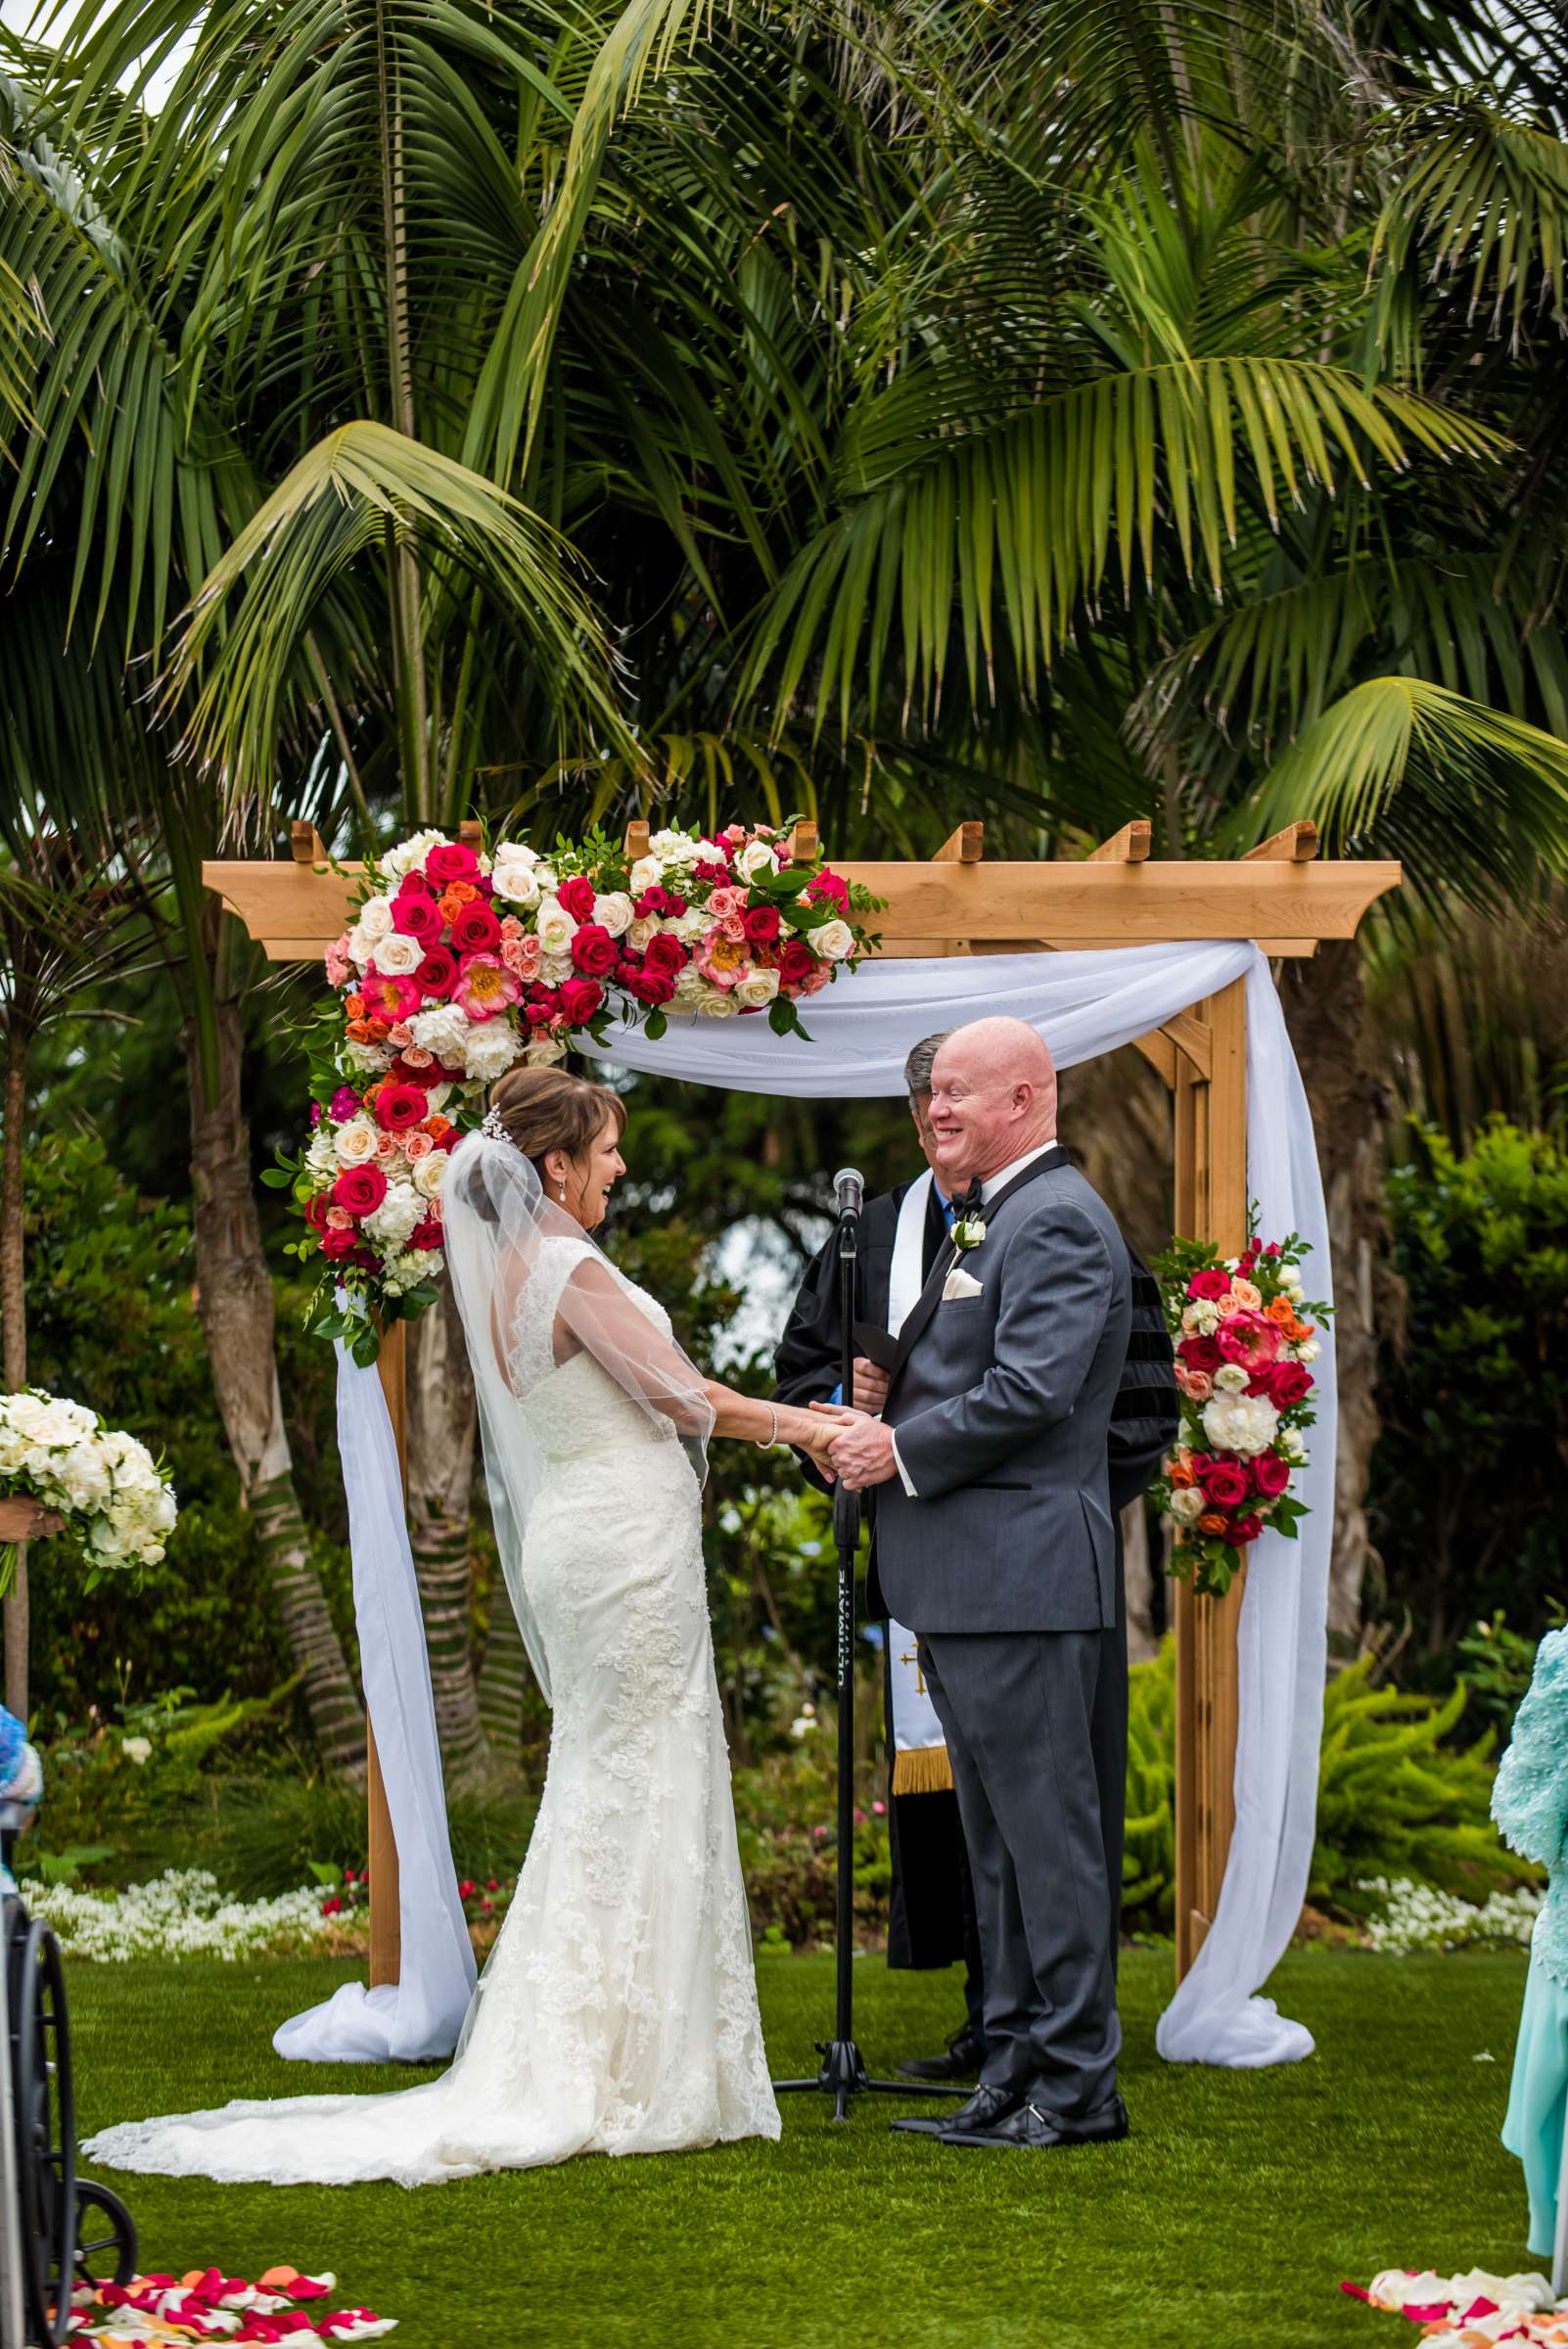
{"x":1486,"y":197}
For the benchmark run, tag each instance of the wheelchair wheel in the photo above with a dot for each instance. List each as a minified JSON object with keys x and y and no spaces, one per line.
{"x":46,"y":2129}
{"x":106,"y":2235}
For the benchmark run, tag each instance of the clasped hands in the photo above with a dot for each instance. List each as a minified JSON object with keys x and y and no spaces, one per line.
{"x":860,"y":1447}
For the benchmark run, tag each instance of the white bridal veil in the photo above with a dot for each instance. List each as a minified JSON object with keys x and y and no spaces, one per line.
{"x":533,"y":1291}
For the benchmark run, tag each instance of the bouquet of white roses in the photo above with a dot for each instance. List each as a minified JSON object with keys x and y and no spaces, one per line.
{"x":115,"y":1499}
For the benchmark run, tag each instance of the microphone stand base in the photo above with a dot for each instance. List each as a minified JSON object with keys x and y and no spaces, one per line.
{"x":844,"y":2075}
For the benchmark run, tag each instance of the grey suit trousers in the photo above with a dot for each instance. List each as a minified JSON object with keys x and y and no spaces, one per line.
{"x":1017,"y":1708}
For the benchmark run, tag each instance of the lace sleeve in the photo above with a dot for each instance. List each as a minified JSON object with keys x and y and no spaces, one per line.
{"x":629,"y":1338}
{"x":1530,"y":1794}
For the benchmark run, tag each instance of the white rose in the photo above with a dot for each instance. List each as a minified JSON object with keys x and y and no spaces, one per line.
{"x":84,"y":1475}
{"x":516,"y":876}
{"x":427,"y":1173}
{"x":716,"y":1004}
{"x":398,"y":956}
{"x":1290,"y":1279}
{"x":354,"y":1142}
{"x":375,"y":917}
{"x":543,"y":1052}
{"x":1293,"y":1444}
{"x":756,"y":989}
{"x":1206,"y":1315}
{"x":645,"y":927}
{"x":53,"y":1427}
{"x":442,"y":1031}
{"x":13,"y":1450}
{"x":757,"y":857}
{"x":137,"y":1749}
{"x":689,"y":987}
{"x":556,"y":967}
{"x":1308,"y":1351}
{"x":1243,"y":1423}
{"x":554,"y":927}
{"x":614,"y":912}
{"x":1186,"y":1503}
{"x":834,"y":941}
{"x":409,"y":853}
{"x":1230,"y":1378}
{"x":646,"y":873}
{"x":691,"y":925}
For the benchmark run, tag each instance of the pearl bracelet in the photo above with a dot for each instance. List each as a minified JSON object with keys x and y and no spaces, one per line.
{"x":773,"y":1438}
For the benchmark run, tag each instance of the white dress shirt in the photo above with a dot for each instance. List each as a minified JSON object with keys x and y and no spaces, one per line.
{"x":987,"y":1191}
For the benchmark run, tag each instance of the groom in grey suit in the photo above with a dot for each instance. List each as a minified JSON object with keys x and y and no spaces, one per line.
{"x":995,"y":1543}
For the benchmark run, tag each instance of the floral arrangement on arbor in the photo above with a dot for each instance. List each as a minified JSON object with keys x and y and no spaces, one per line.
{"x":460,"y":963}
{"x":1244,"y":1336}
{"x":115,"y":1500}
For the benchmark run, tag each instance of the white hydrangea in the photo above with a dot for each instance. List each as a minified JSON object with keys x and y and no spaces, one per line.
{"x":675,"y":847}
{"x":409,"y":853}
{"x":489,"y":1048}
{"x":390,"y":1225}
{"x":1241,"y":1423}
{"x":364,"y":1060}
{"x":407,"y":1271}
{"x":442,"y":1031}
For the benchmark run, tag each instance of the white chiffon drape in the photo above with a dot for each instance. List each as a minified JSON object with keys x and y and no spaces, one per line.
{"x":1084,"y":1004}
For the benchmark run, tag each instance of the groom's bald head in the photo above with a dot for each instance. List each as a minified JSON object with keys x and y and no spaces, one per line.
{"x":992,"y":1099}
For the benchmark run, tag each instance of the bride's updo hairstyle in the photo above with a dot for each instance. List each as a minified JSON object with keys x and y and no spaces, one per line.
{"x":550,"y":1109}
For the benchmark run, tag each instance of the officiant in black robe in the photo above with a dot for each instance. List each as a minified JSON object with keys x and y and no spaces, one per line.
{"x":931,"y":1917}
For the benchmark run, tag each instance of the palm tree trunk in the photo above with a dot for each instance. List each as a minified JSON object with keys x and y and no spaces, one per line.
{"x":441,"y":1425}
{"x":504,"y":1680}
{"x":235,"y":1302}
{"x":1325,"y":1007}
{"x":13,"y":1313}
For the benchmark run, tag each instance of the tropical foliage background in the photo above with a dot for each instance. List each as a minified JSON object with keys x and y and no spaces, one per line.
{"x":414,"y":409}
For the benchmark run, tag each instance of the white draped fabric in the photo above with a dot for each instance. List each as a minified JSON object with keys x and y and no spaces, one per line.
{"x":1084,"y":1004}
{"x":417,"y":2019}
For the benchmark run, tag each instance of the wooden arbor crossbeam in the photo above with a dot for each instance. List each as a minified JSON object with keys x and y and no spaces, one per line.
{"x":1281,"y":894}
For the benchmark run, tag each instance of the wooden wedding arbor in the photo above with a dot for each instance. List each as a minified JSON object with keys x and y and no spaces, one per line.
{"x":1280,"y":893}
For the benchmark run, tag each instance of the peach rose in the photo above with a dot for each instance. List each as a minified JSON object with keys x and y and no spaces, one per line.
{"x":1196,"y":1385}
{"x":1246,"y":1296}
{"x":523,"y":955}
{"x":418,"y":1144}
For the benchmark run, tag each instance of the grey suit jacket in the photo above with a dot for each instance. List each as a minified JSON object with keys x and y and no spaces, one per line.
{"x":1001,"y":1407}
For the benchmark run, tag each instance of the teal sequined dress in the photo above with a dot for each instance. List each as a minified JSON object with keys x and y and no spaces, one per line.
{"x":1530,"y":1804}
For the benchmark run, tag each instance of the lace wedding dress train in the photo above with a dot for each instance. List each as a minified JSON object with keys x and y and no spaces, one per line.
{"x":617,"y":2012}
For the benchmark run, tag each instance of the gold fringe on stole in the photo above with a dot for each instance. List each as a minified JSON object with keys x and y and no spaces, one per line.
{"x":922,"y":1770}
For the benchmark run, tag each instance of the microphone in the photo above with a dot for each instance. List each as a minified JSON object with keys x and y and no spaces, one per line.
{"x":849,"y":1190}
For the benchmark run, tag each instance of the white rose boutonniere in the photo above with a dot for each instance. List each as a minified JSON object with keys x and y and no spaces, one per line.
{"x":967,"y":1232}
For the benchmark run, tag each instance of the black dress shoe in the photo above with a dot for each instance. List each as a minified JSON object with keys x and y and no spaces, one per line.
{"x":1034,"y":2129}
{"x":983,"y":2110}
{"x":963,"y":2061}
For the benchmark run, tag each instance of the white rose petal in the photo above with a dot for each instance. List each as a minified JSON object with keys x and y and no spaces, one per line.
{"x":614,"y":912}
{"x":554,"y":927}
{"x":354,"y":1142}
{"x":398,"y":956}
{"x":429,"y":1171}
{"x":757,"y":857}
{"x":1230,"y":1378}
{"x":644,"y":928}
{"x":834,"y":941}
{"x":756,"y":989}
{"x":1186,"y":1503}
{"x":716,"y":1004}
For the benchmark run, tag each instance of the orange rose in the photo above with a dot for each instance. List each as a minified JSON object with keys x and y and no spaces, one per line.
{"x":1211,"y":1523}
{"x":1281,"y":1309}
{"x":453,"y":897}
{"x":1299,"y":1331}
{"x":1183,"y":1472}
{"x":437,"y":1129}
{"x":354,"y":1006}
{"x":358,"y":1031}
{"x":378,"y":1031}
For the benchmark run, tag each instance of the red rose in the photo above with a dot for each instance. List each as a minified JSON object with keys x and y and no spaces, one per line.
{"x":315,"y":1214}
{"x":1270,"y":1474}
{"x":1201,"y":1353}
{"x":594,"y":950}
{"x":543,"y":1006}
{"x":762,"y":924}
{"x":1224,"y":1482}
{"x":476,"y":930}
{"x":416,"y":917}
{"x":1288,"y":1383}
{"x":650,"y":987}
{"x":428,"y":1234}
{"x":580,"y":998}
{"x":1273,"y":1248}
{"x":577,"y":896}
{"x":450,"y":860}
{"x":436,"y":975}
{"x":339,"y":1242}
{"x":666,"y":957}
{"x":657,"y":901}
{"x":705,"y":869}
{"x":1245,"y":1529}
{"x":795,"y":965}
{"x":830,"y":886}
{"x":400,"y":1108}
{"x":1209,"y":1283}
{"x":359,"y":1189}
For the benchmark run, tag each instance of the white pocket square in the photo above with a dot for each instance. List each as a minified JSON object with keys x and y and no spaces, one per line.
{"x":959,"y":1283}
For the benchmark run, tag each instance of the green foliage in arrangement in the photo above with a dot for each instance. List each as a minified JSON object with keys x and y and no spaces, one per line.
{"x":1466,"y":1480}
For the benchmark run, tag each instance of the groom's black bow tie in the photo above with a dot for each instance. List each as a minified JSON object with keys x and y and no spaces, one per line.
{"x":970,"y":1202}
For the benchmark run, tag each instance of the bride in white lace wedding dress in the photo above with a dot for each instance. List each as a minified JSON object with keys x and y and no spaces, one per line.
{"x":617,"y":2012}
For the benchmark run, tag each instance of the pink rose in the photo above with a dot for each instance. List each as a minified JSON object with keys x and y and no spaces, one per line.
{"x":725,"y":901}
{"x":337,"y":1218}
{"x":414,"y":913}
{"x":416,"y":1057}
{"x":523,"y":955}
{"x":510,"y":927}
{"x":401,"y":1037}
{"x":340,"y":969}
{"x":1250,"y":1339}
{"x":1196,"y":1385}
{"x":386,"y":1148}
{"x":417,"y":1145}
{"x":829,"y":886}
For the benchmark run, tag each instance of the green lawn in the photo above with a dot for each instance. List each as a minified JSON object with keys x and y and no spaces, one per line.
{"x":1226,"y":2219}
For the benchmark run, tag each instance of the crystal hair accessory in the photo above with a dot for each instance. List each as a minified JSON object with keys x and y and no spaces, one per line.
{"x":493,"y":1127}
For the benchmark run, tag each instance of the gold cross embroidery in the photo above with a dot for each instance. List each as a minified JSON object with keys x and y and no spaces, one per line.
{"x":912,"y":1656}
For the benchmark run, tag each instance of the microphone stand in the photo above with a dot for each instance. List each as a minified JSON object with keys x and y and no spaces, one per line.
{"x":843,"y":2074}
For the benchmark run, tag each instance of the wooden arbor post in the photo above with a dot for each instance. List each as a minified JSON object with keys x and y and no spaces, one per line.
{"x":1281,"y":895}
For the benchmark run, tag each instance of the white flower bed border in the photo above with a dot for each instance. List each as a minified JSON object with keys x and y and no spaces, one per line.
{"x":1417,"y":1916}
{"x":179,"y":1914}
